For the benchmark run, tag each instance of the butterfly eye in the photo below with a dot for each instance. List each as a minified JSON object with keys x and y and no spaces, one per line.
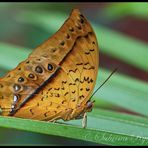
{"x":50,"y":67}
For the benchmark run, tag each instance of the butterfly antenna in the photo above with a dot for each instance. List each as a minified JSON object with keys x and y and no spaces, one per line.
{"x":104,"y":82}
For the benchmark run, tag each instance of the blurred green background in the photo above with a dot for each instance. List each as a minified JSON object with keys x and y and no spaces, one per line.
{"x":122,"y":34}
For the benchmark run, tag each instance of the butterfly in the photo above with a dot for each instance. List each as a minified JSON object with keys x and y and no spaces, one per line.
{"x":57,"y":79}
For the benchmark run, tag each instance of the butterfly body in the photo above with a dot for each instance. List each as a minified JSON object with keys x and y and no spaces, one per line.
{"x":57,"y":79}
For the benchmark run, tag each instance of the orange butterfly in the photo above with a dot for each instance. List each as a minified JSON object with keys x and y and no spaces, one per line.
{"x":56,"y":81}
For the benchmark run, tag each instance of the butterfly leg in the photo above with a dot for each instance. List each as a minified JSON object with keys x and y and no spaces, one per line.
{"x":54,"y":121}
{"x":84,"y":120}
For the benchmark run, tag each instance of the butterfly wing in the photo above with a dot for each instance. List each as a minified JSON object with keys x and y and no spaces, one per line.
{"x":64,"y":69}
{"x":66,"y":95}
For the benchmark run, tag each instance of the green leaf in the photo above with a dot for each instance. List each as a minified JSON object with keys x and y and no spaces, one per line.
{"x":124,"y":91}
{"x":108,"y":128}
{"x":11,"y":55}
{"x":122,"y":47}
{"x":118,"y":10}
{"x":112,"y":43}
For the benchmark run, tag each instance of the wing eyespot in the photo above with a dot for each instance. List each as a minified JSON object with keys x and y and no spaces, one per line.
{"x":67,"y":36}
{"x":32,"y":76}
{"x":53,"y":50}
{"x":50,"y":67}
{"x":62,"y":43}
{"x":19,"y":68}
{"x":78,"y":26}
{"x":21,"y":79}
{"x":71,"y":29}
{"x":1,"y":86}
{"x":16,"y":87}
{"x":8,"y":76}
{"x":27,"y":62}
{"x":39,"y":69}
